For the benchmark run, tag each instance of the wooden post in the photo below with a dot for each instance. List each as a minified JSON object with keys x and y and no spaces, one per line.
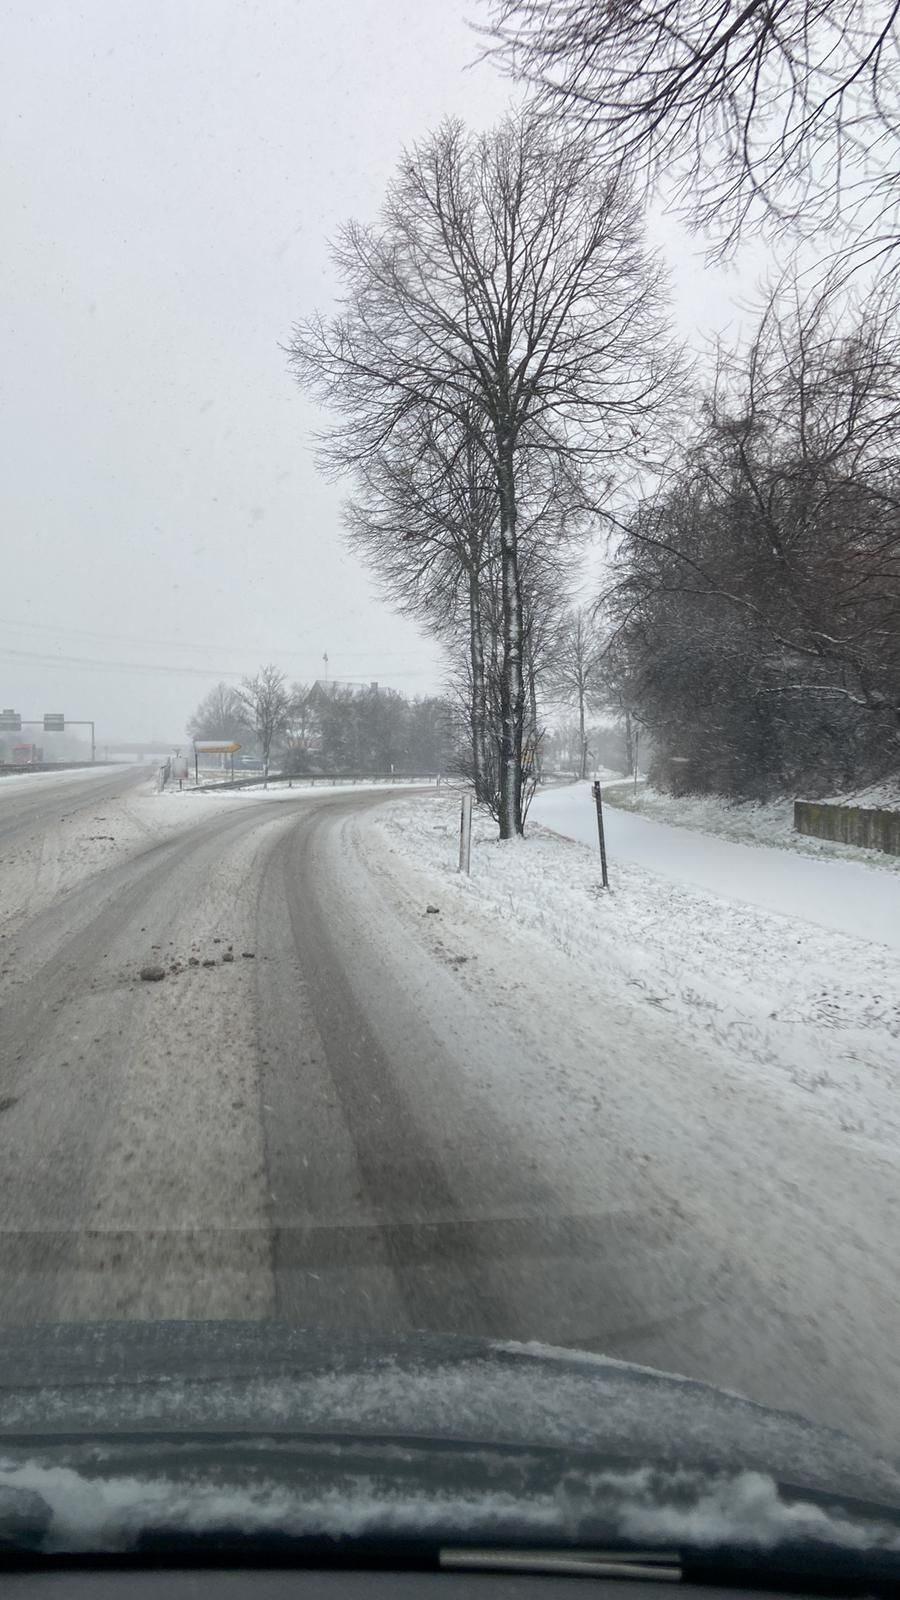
{"x":465,"y":834}
{"x":196,"y":770}
{"x":595,"y":790}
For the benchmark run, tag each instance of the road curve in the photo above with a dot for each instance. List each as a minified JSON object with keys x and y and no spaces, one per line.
{"x":281,"y":1133}
{"x":320,"y":1114}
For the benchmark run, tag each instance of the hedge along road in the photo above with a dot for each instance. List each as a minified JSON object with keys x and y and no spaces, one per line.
{"x":320,"y":1114}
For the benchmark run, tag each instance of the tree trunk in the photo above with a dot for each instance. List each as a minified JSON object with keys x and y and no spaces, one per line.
{"x":478,"y":707}
{"x":629,"y":745}
{"x":512,"y":684}
{"x":533,"y":716}
{"x":493,"y":719}
{"x":582,"y":745}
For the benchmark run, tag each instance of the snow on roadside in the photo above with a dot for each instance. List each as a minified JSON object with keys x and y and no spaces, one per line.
{"x":750,"y":821}
{"x":278,"y":789}
{"x":815,"y":1012}
{"x":842,"y":896}
{"x":884,"y":795}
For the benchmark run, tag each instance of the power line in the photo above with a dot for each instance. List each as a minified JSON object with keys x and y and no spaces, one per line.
{"x":159,"y":667}
{"x":92,"y":663}
{"x":191,"y":644}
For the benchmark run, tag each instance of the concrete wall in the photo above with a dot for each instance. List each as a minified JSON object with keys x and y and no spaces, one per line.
{"x":876,"y":830}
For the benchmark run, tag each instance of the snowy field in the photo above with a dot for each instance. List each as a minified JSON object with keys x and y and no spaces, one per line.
{"x":812,"y":1010}
{"x":875,"y":795}
{"x":843,"y":895}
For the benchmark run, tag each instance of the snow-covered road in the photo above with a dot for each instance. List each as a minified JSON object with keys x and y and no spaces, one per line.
{"x":842,"y":895}
{"x":477,"y":1119}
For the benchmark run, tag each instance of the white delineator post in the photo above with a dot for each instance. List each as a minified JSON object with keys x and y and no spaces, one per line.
{"x":465,"y":834}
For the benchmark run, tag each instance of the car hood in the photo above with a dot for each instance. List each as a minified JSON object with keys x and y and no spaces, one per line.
{"x":196,"y":1377}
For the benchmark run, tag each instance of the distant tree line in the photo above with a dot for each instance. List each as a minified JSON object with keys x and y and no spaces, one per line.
{"x":330,"y":727}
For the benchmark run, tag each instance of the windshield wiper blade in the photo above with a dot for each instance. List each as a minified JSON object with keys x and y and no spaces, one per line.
{"x":664,"y":1565}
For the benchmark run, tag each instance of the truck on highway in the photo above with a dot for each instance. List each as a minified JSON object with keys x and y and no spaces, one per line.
{"x":27,"y":755}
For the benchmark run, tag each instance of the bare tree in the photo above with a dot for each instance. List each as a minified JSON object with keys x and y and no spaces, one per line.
{"x":758,"y":596}
{"x":507,"y":283}
{"x":613,"y":689}
{"x":573,"y":675}
{"x":787,"y":110}
{"x":543,"y":555}
{"x":218,"y":716}
{"x":299,"y":728}
{"x":266,"y":709}
{"x":425,"y":517}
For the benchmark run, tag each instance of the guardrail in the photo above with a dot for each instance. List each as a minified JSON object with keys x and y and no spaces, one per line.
{"x":309,"y":780}
{"x":8,"y":767}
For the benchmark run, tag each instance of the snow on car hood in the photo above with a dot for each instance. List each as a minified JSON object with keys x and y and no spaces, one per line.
{"x":126,"y":1378}
{"x":99,"y":1505}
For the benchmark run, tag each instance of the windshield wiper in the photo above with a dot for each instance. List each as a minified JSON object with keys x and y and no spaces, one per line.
{"x":664,"y":1565}
{"x":799,"y":1568}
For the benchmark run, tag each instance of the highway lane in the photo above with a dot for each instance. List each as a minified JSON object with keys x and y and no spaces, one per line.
{"x":283,"y":1133}
{"x":256,"y":1136}
{"x":414,"y":1204}
{"x":322,"y":1114}
{"x":29,"y":803}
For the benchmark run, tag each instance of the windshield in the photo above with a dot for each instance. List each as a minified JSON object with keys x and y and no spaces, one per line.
{"x":449,"y":685}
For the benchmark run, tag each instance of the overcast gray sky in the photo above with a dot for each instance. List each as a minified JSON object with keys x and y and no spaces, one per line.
{"x":170,"y":172}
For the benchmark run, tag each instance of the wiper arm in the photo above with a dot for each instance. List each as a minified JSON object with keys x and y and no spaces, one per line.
{"x":664,"y":1565}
